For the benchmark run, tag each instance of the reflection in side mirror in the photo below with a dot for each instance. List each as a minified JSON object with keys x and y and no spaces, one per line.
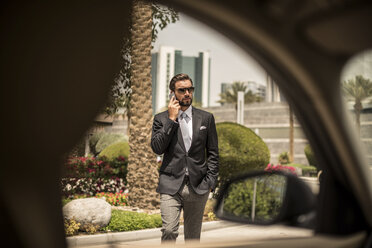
{"x":257,"y":199}
{"x":267,"y":198}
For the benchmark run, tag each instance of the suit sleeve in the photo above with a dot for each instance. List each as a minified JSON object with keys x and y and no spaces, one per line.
{"x":162,"y":133}
{"x":212,"y":155}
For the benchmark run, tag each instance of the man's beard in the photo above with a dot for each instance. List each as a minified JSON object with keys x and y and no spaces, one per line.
{"x":185,"y":104}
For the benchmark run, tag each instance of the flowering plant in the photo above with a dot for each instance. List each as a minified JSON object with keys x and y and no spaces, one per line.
{"x":91,"y":186}
{"x":115,"y":199}
{"x":90,"y":167}
{"x":279,"y":167}
{"x":89,"y":175}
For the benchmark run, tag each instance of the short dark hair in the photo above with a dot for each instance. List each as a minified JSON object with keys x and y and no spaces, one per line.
{"x":178,"y":77}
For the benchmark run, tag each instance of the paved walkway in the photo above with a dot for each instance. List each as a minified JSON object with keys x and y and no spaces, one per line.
{"x":213,"y":232}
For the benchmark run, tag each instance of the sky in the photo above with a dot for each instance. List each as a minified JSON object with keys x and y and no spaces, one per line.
{"x":228,"y":62}
{"x":360,"y":64}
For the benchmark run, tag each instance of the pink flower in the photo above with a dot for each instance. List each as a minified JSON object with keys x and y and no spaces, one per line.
{"x":121,"y":158}
{"x":82,"y":159}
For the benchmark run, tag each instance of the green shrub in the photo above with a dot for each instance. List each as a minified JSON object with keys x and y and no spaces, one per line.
{"x":93,"y":141}
{"x":284,"y":158}
{"x":212,"y":216}
{"x":108,"y":139}
{"x":90,"y":228}
{"x":122,"y":221}
{"x":208,"y":210}
{"x":116,"y":150}
{"x":240,"y":150}
{"x":71,"y":227}
{"x":310,"y":156}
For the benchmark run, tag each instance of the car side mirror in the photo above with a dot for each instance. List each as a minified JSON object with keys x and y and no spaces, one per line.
{"x":267,"y":198}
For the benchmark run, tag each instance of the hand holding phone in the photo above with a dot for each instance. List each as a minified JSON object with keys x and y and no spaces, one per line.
{"x":173,"y":107}
{"x":171,"y":95}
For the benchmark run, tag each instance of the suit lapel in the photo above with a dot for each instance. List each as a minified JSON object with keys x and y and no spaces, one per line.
{"x":196,"y":123}
{"x":179,"y":136}
{"x":180,"y":139}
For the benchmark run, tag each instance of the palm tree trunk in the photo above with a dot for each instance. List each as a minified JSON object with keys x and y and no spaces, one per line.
{"x":291,"y":135}
{"x":142,"y":166}
{"x":128,"y":121}
{"x":358,"y":108}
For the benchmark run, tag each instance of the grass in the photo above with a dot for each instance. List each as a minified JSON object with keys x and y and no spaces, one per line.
{"x":122,"y":221}
{"x":306,"y":169}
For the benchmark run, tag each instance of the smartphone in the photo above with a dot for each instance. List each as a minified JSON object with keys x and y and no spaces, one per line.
{"x":171,"y":94}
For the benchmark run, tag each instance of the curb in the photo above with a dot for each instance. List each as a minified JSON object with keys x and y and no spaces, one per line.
{"x":107,"y":238}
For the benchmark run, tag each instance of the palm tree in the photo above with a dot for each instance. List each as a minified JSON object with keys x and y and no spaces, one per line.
{"x":358,"y":89}
{"x":142,"y":165}
{"x":120,"y":94}
{"x":291,"y":134}
{"x":231,"y":95}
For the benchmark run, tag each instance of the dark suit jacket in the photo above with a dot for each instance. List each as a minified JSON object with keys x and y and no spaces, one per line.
{"x":201,"y":159}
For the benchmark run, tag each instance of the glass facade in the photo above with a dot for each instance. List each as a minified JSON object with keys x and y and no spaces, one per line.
{"x":176,"y":63}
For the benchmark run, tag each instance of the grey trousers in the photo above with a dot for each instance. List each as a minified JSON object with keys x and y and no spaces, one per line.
{"x":193,"y":208}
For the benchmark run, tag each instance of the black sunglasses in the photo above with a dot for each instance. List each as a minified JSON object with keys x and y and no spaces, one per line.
{"x":183,"y":90}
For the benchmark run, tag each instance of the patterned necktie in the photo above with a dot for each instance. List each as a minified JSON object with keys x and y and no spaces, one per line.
{"x":186,"y":117}
{"x":185,"y":131}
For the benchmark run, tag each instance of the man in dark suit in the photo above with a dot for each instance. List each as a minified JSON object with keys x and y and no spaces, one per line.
{"x":188,"y":139}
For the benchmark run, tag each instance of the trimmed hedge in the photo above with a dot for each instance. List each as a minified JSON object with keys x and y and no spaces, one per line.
{"x":310,"y":156}
{"x":108,"y":139}
{"x":122,"y":221}
{"x":93,"y":141}
{"x":116,"y":150}
{"x":240,"y":149}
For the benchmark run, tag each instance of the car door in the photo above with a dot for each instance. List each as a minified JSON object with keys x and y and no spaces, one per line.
{"x":304,"y":46}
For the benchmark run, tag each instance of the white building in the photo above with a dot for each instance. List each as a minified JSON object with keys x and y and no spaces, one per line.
{"x":168,"y":62}
{"x":272,"y":91}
